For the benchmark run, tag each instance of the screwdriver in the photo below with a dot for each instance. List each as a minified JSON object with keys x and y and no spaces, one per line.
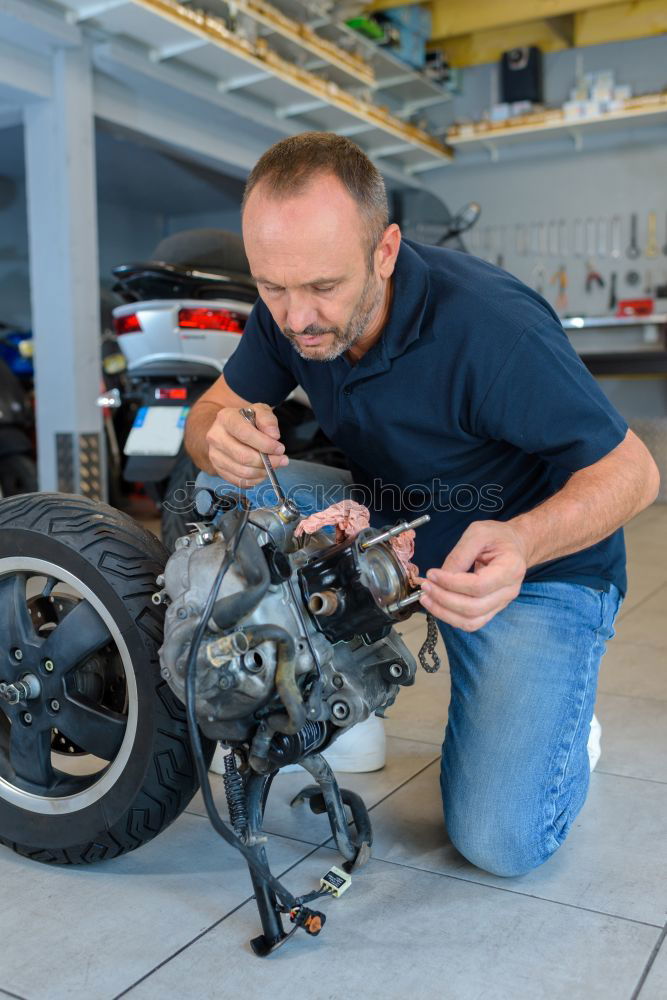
{"x":286,"y":505}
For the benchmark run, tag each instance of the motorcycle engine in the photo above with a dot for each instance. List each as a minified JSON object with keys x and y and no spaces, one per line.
{"x":299,"y":645}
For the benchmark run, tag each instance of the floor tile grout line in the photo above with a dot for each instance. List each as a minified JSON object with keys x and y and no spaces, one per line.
{"x":271,"y":833}
{"x":207,"y":930}
{"x":515,"y":892}
{"x":648,"y":597}
{"x":649,"y":963}
{"x":630,"y":777}
{"x":315,"y":848}
{"x":395,"y":864}
{"x":409,"y":739}
{"x":403,"y":784}
{"x":631,"y":697}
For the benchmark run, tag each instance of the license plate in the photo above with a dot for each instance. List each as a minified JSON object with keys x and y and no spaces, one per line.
{"x":157,"y":430}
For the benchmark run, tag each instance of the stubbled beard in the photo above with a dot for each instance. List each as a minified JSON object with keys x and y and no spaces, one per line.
{"x":343,"y":338}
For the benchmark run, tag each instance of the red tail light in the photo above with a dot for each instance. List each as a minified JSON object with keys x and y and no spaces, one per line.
{"x":127,"y":324}
{"x":221,"y":320}
{"x":171,"y":393}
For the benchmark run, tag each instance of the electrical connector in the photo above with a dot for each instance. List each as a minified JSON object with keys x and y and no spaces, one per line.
{"x":336,"y":882}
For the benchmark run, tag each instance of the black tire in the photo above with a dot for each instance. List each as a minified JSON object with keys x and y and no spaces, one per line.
{"x":18,"y":474}
{"x":138,"y":790}
{"x":177,"y":504}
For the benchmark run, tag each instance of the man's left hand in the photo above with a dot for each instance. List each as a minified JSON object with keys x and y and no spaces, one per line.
{"x":496,"y":554}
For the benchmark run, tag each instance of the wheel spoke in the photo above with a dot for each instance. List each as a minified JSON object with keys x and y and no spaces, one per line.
{"x":51,"y":581}
{"x":79,"y":634}
{"x":30,"y":754}
{"x":97,"y":730}
{"x":15,"y":622}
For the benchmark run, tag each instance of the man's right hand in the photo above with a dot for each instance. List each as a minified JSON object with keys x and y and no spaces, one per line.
{"x":234,"y":445}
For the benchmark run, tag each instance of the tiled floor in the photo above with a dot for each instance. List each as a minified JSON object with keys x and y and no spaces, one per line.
{"x":174,"y":919}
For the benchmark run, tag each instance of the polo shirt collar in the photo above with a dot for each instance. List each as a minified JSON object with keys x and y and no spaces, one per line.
{"x":403,"y":326}
{"x":408,"y":303}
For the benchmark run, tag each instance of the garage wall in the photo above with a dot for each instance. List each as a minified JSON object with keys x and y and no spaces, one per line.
{"x":14,"y":284}
{"x":124,"y":235}
{"x":539,"y":182}
{"x":642,"y":64}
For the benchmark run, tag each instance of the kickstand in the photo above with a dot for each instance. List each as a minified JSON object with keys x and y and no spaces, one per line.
{"x":273,"y":933}
{"x":327,"y":797}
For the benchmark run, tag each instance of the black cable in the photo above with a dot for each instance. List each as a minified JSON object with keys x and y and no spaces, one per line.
{"x":219,"y":825}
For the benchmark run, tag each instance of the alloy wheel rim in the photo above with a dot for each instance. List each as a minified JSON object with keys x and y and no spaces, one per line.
{"x":60,"y":703}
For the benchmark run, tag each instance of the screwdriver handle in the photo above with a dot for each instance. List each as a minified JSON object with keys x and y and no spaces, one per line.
{"x":250,"y":416}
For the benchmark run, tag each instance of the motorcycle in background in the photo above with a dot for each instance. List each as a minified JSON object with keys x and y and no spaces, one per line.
{"x":18,"y":471}
{"x":183,"y":314}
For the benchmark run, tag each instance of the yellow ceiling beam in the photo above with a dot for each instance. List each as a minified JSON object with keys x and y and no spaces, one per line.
{"x":451,"y":18}
{"x":488,"y":46}
{"x":388,"y":4}
{"x":620,"y":22}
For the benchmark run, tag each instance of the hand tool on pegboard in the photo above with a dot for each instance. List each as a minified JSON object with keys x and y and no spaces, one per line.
{"x":613,"y":299}
{"x":593,"y":277}
{"x":538,"y":279}
{"x":652,"y":248}
{"x":602,"y":238}
{"x":560,"y":277}
{"x":633,"y":250}
{"x":616,"y":237}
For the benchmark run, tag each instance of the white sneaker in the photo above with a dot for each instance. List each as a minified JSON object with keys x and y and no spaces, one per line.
{"x":362,"y":748}
{"x":593,"y":747}
{"x":217,"y":765}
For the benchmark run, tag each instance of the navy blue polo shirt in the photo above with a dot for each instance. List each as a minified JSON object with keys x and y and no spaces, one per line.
{"x":472,"y":405}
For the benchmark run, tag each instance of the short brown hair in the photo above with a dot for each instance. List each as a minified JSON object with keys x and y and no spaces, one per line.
{"x":290,"y":164}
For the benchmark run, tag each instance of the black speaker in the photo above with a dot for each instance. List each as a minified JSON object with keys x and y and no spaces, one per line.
{"x":521,"y":75}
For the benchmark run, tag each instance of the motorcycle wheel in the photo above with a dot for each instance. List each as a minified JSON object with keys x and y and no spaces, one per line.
{"x":177,"y":509}
{"x":18,"y":474}
{"x":96,"y":760}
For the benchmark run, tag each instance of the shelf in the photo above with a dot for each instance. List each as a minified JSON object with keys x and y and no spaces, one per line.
{"x":609,"y":322}
{"x":624,"y":364}
{"x":639,"y":112}
{"x":300,"y":80}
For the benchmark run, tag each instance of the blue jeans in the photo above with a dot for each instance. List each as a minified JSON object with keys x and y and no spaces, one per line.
{"x":515,"y":768}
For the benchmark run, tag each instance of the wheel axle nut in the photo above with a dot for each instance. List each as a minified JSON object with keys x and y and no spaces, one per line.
{"x":48,"y":666}
{"x":340,"y":710}
{"x":395,"y":670}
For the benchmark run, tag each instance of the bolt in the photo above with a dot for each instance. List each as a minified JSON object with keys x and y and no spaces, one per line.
{"x":156,"y":598}
{"x":48,"y":666}
{"x":166,"y":673}
{"x":181,"y":613}
{"x":340,"y":710}
{"x":225,"y":683}
{"x":27,"y":718}
{"x":55,"y":705}
{"x":18,"y":654}
{"x":395,"y":670}
{"x":337,"y":681}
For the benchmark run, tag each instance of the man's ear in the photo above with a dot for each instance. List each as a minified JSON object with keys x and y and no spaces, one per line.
{"x":387,"y":250}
